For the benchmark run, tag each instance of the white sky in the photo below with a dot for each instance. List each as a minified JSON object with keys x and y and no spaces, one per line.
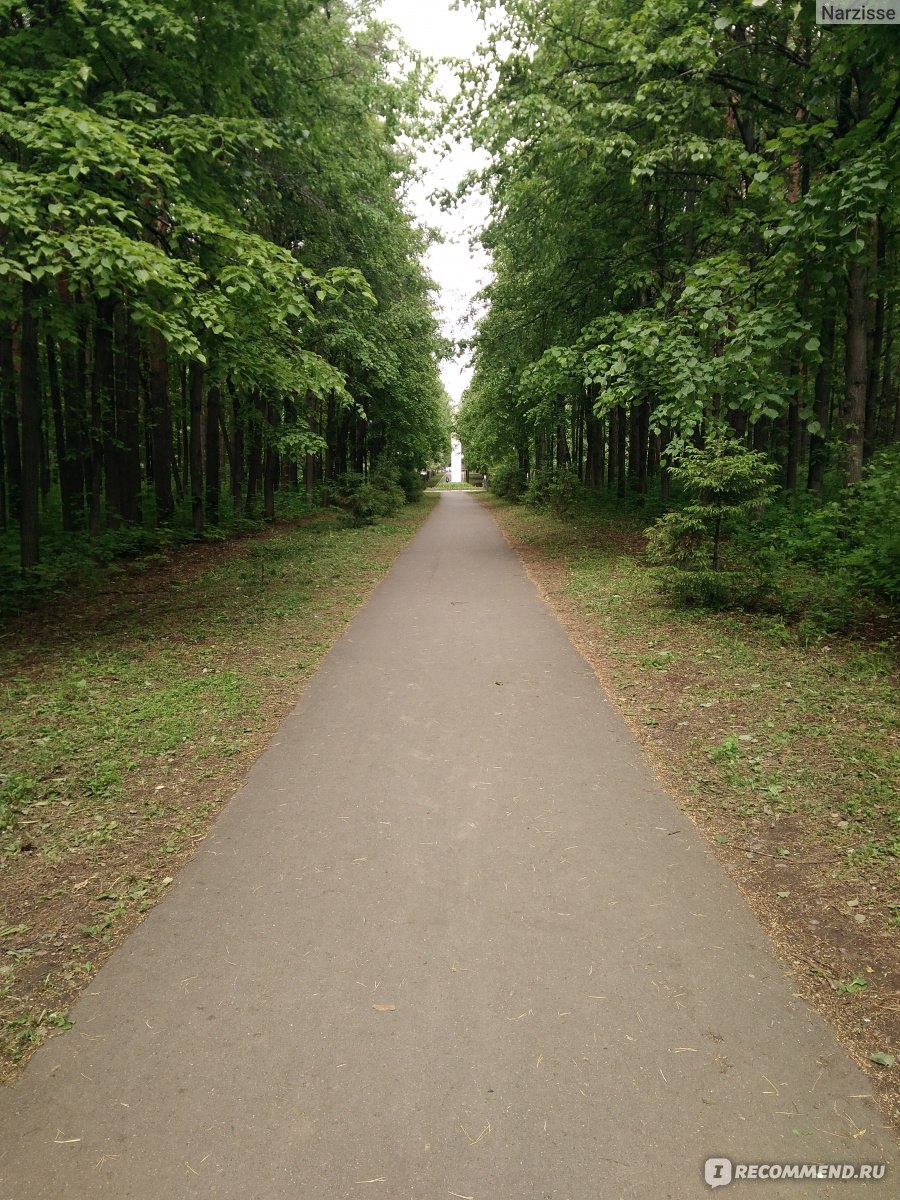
{"x":433,"y":28}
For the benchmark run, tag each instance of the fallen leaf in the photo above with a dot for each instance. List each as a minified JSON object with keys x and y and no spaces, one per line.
{"x":883,"y":1060}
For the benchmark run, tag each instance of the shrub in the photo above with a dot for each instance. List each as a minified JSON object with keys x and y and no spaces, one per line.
{"x":366,"y":501}
{"x":508,"y":481}
{"x":412,"y":484}
{"x":705,"y":559}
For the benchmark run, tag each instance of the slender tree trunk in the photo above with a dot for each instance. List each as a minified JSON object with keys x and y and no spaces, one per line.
{"x":612,"y":459}
{"x":128,"y":418}
{"x":102,"y":423}
{"x":73,"y":381}
{"x":30,"y":399}
{"x":856,"y":373}
{"x":254,"y":454}
{"x":875,"y":346}
{"x":888,"y":410}
{"x":818,"y":445}
{"x":160,"y":421}
{"x":563,"y":457}
{"x":665,"y":480}
{"x":309,"y":472}
{"x":237,"y":453}
{"x":195,"y":444}
{"x":634,"y":441}
{"x":643,"y":445}
{"x":63,"y":462}
{"x":10,"y":416}
{"x":213,"y":452}
{"x":621,"y":450}
{"x":270,"y":464}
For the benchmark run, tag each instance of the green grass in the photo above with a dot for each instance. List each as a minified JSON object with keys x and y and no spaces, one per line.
{"x":130,"y":714}
{"x":82,"y":713}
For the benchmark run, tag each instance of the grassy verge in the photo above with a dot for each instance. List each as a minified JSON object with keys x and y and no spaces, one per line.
{"x":130,"y":715}
{"x":786,"y":756}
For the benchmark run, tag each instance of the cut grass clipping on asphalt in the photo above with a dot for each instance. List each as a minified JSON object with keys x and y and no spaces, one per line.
{"x":129,"y":717}
{"x":787,"y":757}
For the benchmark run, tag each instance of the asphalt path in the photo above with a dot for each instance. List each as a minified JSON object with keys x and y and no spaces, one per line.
{"x":450,"y":939}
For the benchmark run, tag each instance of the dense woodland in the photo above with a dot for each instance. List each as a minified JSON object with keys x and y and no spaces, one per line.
{"x":694,"y":228}
{"x":210,"y":290}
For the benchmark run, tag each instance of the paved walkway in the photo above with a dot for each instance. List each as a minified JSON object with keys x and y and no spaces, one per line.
{"x":450,"y":939}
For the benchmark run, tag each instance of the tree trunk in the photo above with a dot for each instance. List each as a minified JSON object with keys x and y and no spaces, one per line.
{"x":213,"y":453}
{"x":875,"y":344}
{"x":30,"y":399}
{"x":254,"y":454}
{"x":270,"y":464}
{"x":128,"y":423}
{"x":621,"y":449}
{"x":63,"y":462}
{"x":818,"y":444}
{"x":643,"y":445}
{"x":612,"y":459}
{"x":9,"y":412}
{"x":160,"y":421}
{"x":195,"y":444}
{"x":237,"y":453}
{"x":856,"y":373}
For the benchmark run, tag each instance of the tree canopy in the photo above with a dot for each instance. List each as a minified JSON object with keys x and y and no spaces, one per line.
{"x":694,"y":224}
{"x":205,"y":260}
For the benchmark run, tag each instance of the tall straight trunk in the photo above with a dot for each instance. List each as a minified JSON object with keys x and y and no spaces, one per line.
{"x":213,"y":452}
{"x":888,"y":409}
{"x":563,"y":457}
{"x":73,"y":383}
{"x":794,"y":434}
{"x":818,"y":441}
{"x":237,"y":452}
{"x":579,"y":419}
{"x":4,"y":513}
{"x":643,"y":445}
{"x":270,"y":463}
{"x":290,"y":477}
{"x":102,"y":426}
{"x":612,"y":459}
{"x":360,"y":433}
{"x":254,"y":454}
{"x":30,"y":400}
{"x":63,"y":461}
{"x":855,"y":372}
{"x":128,"y":423}
{"x":195,"y":444}
{"x":622,"y":427}
{"x":794,"y":440}
{"x":160,"y":421}
{"x":10,"y":416}
{"x":634,"y":441}
{"x":46,"y":478}
{"x":652,"y":457}
{"x":875,"y":344}
{"x":309,"y":472}
{"x":665,"y":479}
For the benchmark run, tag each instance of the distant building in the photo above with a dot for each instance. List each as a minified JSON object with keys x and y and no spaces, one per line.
{"x":456,"y":460}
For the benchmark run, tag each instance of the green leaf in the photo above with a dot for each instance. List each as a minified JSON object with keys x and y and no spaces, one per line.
{"x":882,"y":1059}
